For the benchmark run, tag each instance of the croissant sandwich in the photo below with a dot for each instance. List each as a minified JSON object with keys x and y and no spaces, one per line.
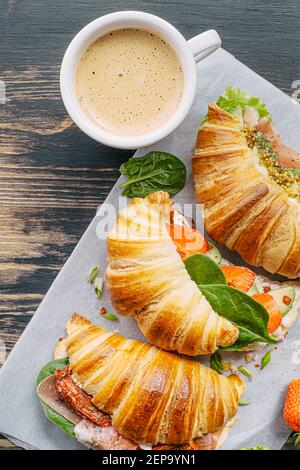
{"x":147,"y":280}
{"x":173,"y":282}
{"x":249,"y":184}
{"x":117,"y":393}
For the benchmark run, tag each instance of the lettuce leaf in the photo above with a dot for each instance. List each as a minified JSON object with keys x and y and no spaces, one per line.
{"x":234,"y":101}
{"x":233,"y":98}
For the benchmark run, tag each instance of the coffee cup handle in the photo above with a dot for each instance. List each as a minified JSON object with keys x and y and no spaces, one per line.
{"x":204,"y":44}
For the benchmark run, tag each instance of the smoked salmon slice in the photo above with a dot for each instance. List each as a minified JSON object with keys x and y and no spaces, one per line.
{"x":287,"y":157}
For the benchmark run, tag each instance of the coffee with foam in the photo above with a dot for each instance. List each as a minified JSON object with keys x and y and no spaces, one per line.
{"x":129,"y":82}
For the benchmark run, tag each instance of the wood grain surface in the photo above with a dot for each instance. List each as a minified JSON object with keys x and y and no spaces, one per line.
{"x":52,"y":176}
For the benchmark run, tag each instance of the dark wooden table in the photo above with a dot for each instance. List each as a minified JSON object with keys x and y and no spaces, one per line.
{"x":53,"y":177}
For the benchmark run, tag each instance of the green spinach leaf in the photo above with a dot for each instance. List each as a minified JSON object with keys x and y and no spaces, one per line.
{"x":248,"y":314}
{"x":203,"y":270}
{"x":59,"y":420}
{"x":155,"y":171}
{"x":50,"y":367}
{"x":51,"y":414}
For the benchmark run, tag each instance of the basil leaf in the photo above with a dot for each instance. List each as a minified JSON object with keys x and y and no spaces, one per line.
{"x":248,"y":314}
{"x":203,"y":270}
{"x":155,"y":171}
{"x":50,"y":367}
{"x":51,"y":414}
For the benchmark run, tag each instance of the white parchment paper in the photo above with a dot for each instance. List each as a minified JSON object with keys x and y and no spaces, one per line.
{"x":260,"y":423}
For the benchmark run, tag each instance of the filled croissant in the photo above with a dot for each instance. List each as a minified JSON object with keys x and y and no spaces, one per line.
{"x":148,"y":281}
{"x":246,"y":209}
{"x":147,"y":396}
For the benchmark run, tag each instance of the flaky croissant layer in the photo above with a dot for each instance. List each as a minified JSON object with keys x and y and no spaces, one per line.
{"x":153,"y":396}
{"x":244,"y":209}
{"x":147,"y":280}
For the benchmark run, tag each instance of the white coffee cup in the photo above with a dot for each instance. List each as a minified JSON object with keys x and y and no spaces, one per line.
{"x":189,"y":53}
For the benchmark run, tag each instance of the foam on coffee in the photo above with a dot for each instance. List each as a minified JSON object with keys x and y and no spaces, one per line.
{"x":129,"y":82}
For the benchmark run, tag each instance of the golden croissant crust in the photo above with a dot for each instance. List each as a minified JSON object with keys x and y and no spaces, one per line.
{"x":153,"y":396}
{"x":245,"y":210}
{"x":147,"y":280}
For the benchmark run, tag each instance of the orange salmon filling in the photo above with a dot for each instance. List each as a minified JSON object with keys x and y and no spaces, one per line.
{"x":188,"y":241}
